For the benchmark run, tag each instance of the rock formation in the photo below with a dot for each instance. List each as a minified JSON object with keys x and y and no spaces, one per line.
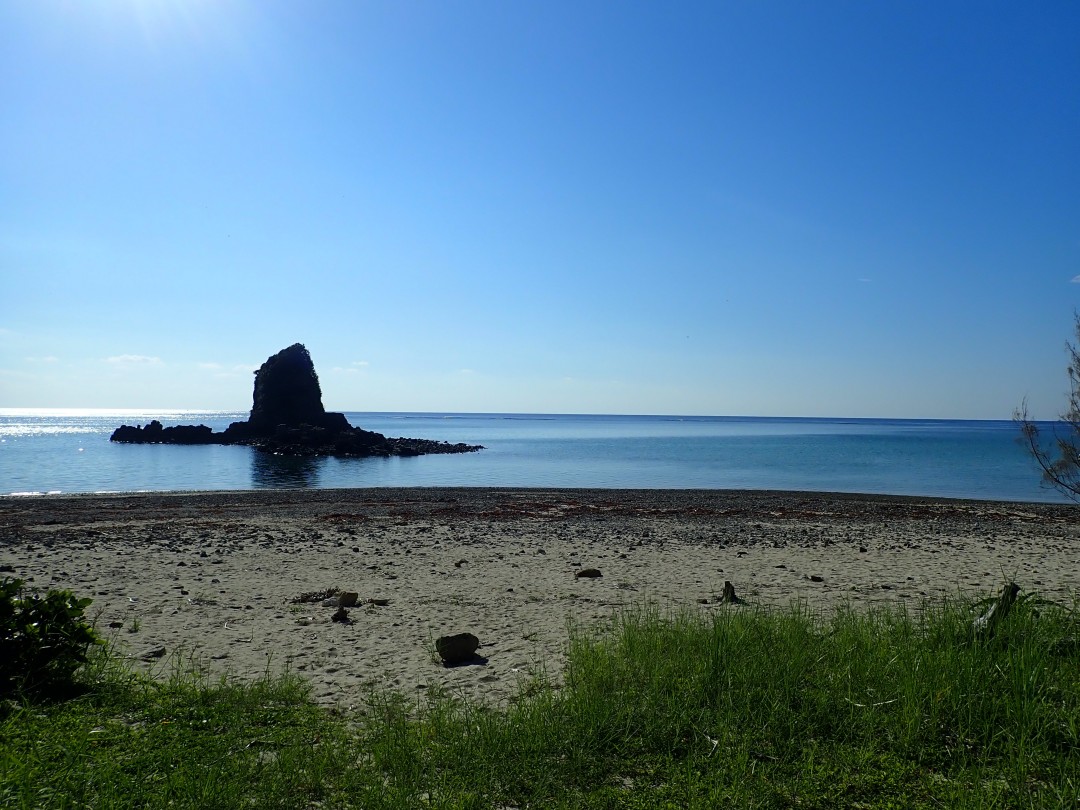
{"x":154,"y":433}
{"x":288,"y":418}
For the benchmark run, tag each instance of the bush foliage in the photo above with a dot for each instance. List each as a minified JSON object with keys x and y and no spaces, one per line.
{"x":44,"y":639}
{"x":1058,"y":455}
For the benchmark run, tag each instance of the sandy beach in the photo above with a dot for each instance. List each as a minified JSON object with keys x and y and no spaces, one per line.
{"x":214,"y":577}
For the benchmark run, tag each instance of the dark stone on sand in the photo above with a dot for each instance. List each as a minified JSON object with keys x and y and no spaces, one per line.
{"x":341,"y":615}
{"x":288,"y":418}
{"x":729,"y":597}
{"x":588,"y":573}
{"x":457,"y":649}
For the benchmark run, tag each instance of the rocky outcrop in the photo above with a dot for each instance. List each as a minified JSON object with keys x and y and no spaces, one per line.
{"x":287,"y":393}
{"x":288,"y":418}
{"x":154,"y":433}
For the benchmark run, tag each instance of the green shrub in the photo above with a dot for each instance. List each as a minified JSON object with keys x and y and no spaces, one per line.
{"x":43,"y":640}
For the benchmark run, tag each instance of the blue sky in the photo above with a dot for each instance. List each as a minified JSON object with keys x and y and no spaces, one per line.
{"x":753,"y":208}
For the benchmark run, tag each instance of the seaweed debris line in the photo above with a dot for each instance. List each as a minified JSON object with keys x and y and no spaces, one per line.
{"x":288,"y":418}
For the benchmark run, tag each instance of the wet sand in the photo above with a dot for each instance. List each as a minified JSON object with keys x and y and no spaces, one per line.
{"x":212,"y":577}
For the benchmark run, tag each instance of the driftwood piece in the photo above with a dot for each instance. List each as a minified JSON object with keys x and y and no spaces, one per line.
{"x":984,"y":626}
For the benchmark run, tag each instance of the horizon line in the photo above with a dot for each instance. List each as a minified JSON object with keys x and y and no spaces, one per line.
{"x":127,"y":411}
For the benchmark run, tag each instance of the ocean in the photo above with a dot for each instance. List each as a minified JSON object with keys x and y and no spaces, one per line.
{"x":68,"y":451}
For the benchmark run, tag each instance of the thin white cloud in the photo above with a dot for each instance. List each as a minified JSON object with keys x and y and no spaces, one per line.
{"x":47,"y":359}
{"x":133,"y":360}
{"x":353,"y":368}
{"x":222,"y":371}
{"x":1076,"y":279}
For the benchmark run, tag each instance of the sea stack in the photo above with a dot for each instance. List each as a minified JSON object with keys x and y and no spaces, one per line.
{"x":287,"y":390}
{"x":287,"y":396}
{"x":288,"y":418}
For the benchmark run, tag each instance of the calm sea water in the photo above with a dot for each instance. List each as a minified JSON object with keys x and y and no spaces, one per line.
{"x":43,"y":451}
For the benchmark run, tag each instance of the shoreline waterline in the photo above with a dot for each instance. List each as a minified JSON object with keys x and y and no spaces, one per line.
{"x":676,"y":495}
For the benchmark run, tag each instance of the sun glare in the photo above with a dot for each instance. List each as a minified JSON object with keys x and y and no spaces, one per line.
{"x":159,"y":25}
{"x":157,"y":18}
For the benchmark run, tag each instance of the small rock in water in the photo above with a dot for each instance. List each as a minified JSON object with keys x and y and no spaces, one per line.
{"x":588,"y":573}
{"x":457,"y":649}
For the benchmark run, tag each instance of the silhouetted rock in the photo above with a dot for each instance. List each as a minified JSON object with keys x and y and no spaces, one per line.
{"x":154,"y":433}
{"x":288,"y":418}
{"x":287,"y":391}
{"x":287,"y":405}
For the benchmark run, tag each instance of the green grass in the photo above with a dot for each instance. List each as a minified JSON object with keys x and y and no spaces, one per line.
{"x":859,"y":709}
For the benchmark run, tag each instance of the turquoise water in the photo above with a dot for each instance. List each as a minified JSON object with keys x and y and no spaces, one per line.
{"x":69,"y":451}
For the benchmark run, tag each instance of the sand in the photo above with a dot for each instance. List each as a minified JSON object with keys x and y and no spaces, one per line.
{"x":211,"y":578}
